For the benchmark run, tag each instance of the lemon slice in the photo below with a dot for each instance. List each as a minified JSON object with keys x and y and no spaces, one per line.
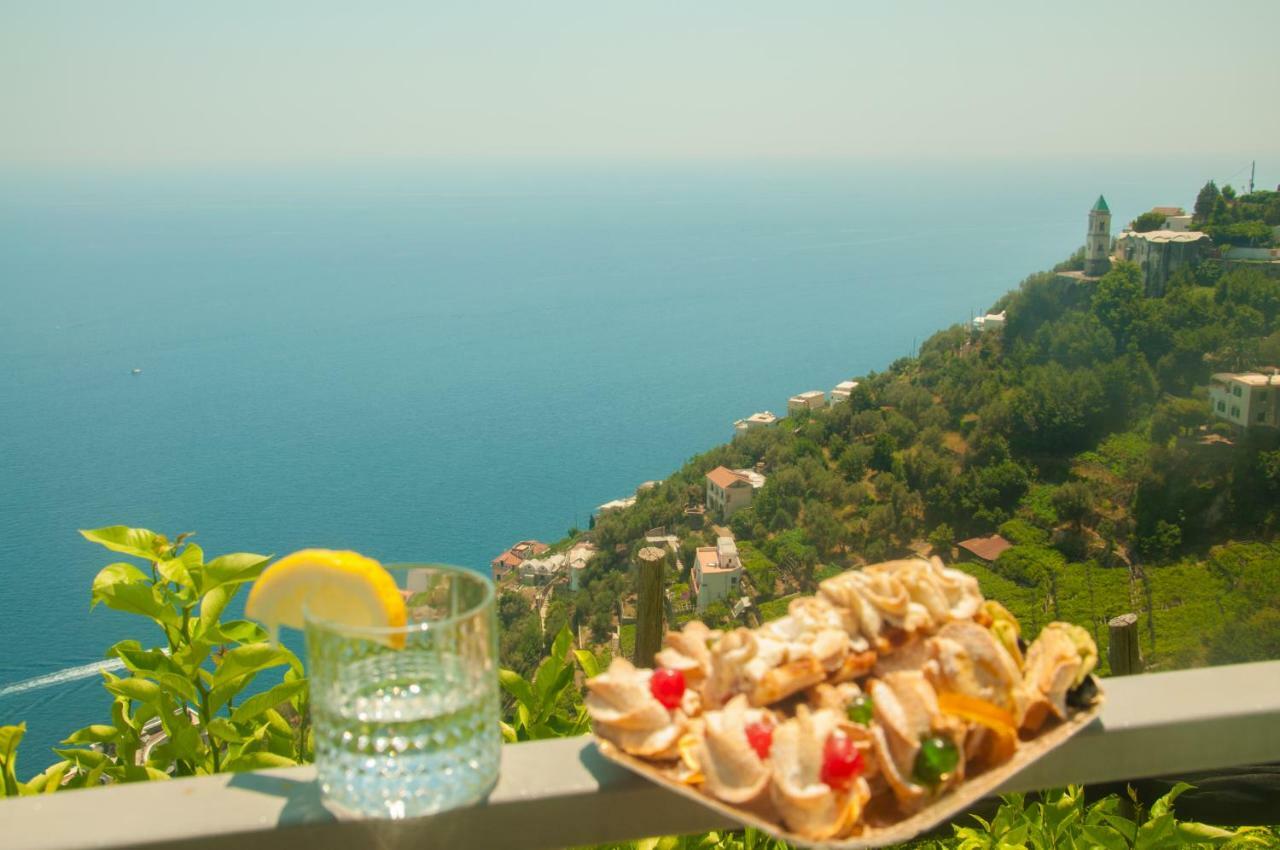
{"x":340,"y":587}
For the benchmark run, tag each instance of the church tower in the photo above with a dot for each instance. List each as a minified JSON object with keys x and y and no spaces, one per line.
{"x":1097,"y":242}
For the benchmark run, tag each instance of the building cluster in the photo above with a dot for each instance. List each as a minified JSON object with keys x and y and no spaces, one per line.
{"x":528,"y":562}
{"x":806,"y":401}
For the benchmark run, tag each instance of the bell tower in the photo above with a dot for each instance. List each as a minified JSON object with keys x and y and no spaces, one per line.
{"x":1097,"y":241}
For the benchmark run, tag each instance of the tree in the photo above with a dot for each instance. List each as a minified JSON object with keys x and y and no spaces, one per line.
{"x":1208,"y":197}
{"x":1147,"y":222}
{"x":1117,"y":299}
{"x":1073,"y":502}
{"x":882,"y":452}
{"x":941,"y":539}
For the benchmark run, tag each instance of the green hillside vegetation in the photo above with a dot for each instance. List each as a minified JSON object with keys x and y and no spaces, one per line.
{"x":1237,"y":220}
{"x":1079,"y":433}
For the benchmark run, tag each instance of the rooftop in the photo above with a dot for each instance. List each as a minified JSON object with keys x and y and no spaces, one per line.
{"x":723,"y":477}
{"x":1253,"y":379}
{"x":708,"y":558}
{"x":1160,"y":236}
{"x":986,"y":548}
{"x":808,"y":394}
{"x":1101,"y":205}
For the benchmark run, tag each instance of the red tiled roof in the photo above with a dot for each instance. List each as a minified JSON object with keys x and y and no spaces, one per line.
{"x":986,"y":548}
{"x":724,"y":478}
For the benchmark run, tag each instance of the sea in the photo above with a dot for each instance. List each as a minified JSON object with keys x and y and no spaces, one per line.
{"x":431,"y":361}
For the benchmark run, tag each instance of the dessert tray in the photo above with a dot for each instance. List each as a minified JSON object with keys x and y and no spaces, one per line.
{"x":884,"y":705}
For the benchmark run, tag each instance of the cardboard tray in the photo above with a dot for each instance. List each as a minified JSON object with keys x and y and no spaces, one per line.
{"x":942,"y":810}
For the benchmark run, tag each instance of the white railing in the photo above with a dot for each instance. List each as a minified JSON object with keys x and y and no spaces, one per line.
{"x":561,"y":793}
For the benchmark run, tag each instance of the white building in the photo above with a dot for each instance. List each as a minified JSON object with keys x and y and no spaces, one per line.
{"x":811,"y":400}
{"x":579,"y":557}
{"x":1248,"y":399}
{"x":543,"y":570}
{"x":763,"y":419}
{"x":989,"y":322}
{"x":717,"y":572}
{"x":843,"y":390}
{"x":731,"y":490}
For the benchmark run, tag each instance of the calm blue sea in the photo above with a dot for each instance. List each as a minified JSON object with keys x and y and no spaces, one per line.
{"x":431,"y":363}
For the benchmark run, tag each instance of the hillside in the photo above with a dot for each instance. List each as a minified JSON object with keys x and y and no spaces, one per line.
{"x":1081,"y":432}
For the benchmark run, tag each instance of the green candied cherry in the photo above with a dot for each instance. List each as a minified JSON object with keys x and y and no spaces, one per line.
{"x":860,"y":710}
{"x":937,"y":759}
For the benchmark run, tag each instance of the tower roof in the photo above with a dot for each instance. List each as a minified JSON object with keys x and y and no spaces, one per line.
{"x":1101,"y":205}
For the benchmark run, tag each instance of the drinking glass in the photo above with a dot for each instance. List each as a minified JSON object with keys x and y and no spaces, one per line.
{"x":405,"y":718}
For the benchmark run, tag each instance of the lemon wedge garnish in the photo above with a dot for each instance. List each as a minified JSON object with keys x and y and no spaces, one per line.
{"x":345,"y":588}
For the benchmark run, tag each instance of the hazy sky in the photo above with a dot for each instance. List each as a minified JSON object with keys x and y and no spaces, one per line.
{"x":127,"y":83}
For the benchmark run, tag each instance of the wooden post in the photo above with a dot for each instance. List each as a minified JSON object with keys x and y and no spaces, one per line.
{"x":1122,"y":653}
{"x":649,"y":563}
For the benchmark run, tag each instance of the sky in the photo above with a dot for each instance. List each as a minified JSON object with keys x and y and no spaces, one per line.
{"x":143,"y":83}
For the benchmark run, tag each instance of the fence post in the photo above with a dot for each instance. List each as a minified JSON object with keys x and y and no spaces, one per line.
{"x":1122,"y":653}
{"x":649,"y":598}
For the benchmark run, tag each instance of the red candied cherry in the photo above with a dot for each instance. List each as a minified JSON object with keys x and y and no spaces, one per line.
{"x":760,"y":737}
{"x":667,"y":686}
{"x":841,"y":761}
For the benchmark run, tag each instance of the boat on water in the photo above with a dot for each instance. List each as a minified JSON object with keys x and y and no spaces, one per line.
{"x":137,"y":371}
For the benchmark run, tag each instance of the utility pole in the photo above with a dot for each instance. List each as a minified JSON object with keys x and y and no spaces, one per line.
{"x":1253,"y":168}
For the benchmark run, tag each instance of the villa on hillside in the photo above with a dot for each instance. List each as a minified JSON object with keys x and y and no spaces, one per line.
{"x":843,"y":390}
{"x":730,"y":490}
{"x":716,"y":573}
{"x":763,"y":419}
{"x":501,"y":566}
{"x":1247,"y":400}
{"x":811,"y":400}
{"x":989,"y":322}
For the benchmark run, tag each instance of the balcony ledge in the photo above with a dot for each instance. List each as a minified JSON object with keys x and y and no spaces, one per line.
{"x":561,"y":793}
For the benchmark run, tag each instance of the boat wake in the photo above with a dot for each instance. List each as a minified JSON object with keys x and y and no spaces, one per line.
{"x":70,"y":674}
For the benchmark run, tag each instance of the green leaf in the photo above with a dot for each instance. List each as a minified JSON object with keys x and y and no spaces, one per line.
{"x":1164,"y":805}
{"x":187,"y":744}
{"x":50,"y":780}
{"x":590,"y":666}
{"x":83,"y":759}
{"x":239,"y":666}
{"x":258,"y":703}
{"x":560,"y":647}
{"x":247,"y":659}
{"x":138,"y":542}
{"x":139,"y":597}
{"x":10,"y":737}
{"x":232,"y":569}
{"x":98,"y":733}
{"x":139,"y":690}
{"x":223,"y":729}
{"x":178,"y":685}
{"x":514,"y":684}
{"x":175,"y":570}
{"x":1102,"y":836}
{"x":237,"y":631}
{"x":113,"y":574}
{"x":258,"y":761}
{"x":211,"y":607}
